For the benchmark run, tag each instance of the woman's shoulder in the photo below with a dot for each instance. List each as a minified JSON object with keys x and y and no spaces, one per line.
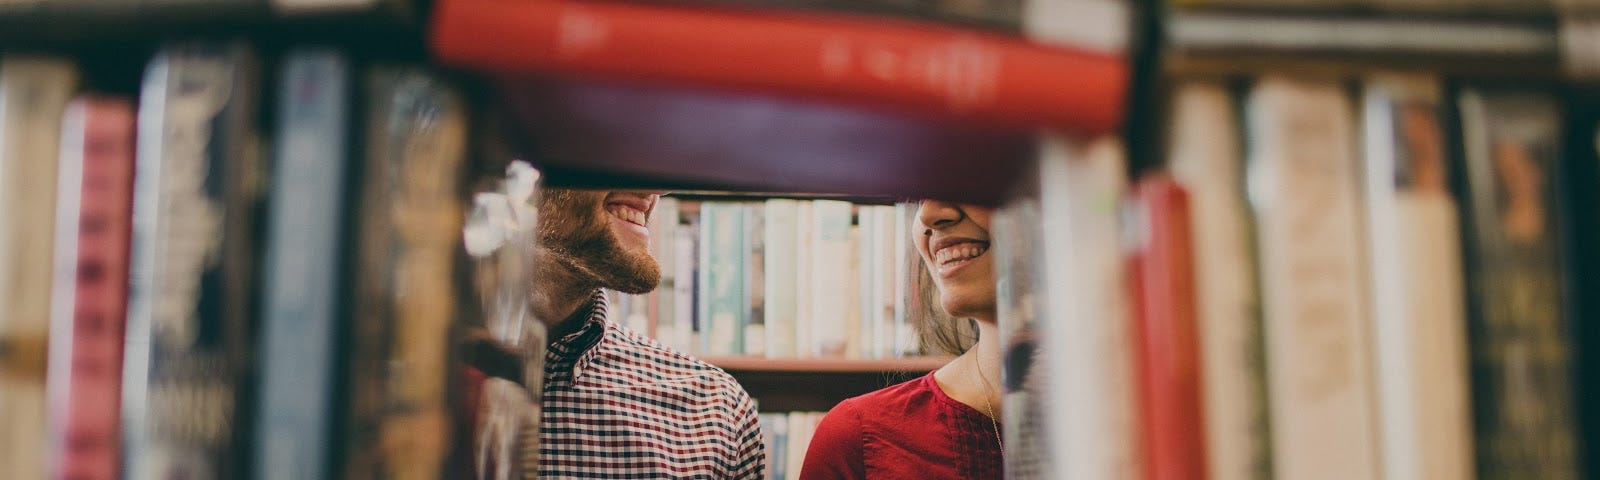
{"x":894,"y":399}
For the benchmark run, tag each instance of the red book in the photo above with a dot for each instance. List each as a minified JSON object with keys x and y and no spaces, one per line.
{"x":88,"y":311}
{"x":1166,"y":339}
{"x":908,"y":66}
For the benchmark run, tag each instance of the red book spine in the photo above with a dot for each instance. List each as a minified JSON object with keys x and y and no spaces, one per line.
{"x":85,"y":380}
{"x":1166,"y":339}
{"x":903,"y":65}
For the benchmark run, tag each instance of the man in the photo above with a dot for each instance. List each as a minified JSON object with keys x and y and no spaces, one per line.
{"x":616,"y":404}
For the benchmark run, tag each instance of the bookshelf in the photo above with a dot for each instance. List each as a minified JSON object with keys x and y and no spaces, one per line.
{"x":741,"y":145}
{"x":816,"y":384}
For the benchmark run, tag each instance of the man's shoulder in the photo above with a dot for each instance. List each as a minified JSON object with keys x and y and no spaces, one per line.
{"x":657,"y":362}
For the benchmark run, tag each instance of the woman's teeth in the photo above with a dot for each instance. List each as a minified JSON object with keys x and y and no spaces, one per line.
{"x":627,"y":214}
{"x":965,"y":251}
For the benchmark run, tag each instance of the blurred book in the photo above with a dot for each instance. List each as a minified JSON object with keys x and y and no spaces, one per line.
{"x":186,"y":389}
{"x":89,"y":293}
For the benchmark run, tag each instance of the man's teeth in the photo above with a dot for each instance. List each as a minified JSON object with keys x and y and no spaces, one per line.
{"x":632,"y":216}
{"x":963,"y":251}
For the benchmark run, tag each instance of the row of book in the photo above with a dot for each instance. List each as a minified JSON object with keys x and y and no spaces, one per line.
{"x":787,"y":436}
{"x":197,"y":289}
{"x":1317,"y":284}
{"x":783,"y":278}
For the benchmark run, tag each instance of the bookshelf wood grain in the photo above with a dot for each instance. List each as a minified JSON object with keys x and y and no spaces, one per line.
{"x":817,"y":384}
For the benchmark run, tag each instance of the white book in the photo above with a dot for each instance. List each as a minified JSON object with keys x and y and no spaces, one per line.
{"x":685,"y":267}
{"x":865,"y":237}
{"x":801,"y":427}
{"x":854,"y":325}
{"x":782,"y":260}
{"x":884,"y":295}
{"x":664,"y":243}
{"x":723,"y":305}
{"x":1304,"y":190}
{"x":1087,"y":340}
{"x":906,"y":269}
{"x":1206,"y":159}
{"x":804,"y":295}
{"x":755,"y":279}
{"x":831,"y":279}
{"x":34,"y":92}
{"x":1419,"y":321}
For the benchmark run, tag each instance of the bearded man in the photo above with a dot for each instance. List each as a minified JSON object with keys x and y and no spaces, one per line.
{"x":617,"y":404}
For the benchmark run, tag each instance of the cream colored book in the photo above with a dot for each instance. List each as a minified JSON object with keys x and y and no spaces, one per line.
{"x":1085,"y":329}
{"x":1304,"y":189}
{"x":1419,"y":321}
{"x":1205,"y":157}
{"x":34,"y":92}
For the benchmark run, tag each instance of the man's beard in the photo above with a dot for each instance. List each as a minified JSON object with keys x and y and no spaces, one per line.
{"x":575,"y":231}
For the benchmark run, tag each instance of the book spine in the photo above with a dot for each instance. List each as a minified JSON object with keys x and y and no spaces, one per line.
{"x":684,"y":293}
{"x":995,"y":15}
{"x":722,"y":301}
{"x":884,"y":280}
{"x":302,"y":292}
{"x":408,"y":237}
{"x":1088,"y":338}
{"x":664,"y":234}
{"x":1305,"y":188}
{"x":864,"y":237}
{"x":907,"y":265}
{"x":34,"y":92}
{"x":755,"y":278}
{"x":782,"y":259}
{"x":805,"y":286}
{"x":923,"y":69}
{"x":1015,"y":236}
{"x":830,"y":279}
{"x":1419,"y":321}
{"x":1206,"y":159}
{"x":1165,"y":333}
{"x":1519,"y":342}
{"x":196,"y":192}
{"x":94,"y":212}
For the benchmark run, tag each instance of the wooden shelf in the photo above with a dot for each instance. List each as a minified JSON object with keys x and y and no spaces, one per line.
{"x":817,"y":384}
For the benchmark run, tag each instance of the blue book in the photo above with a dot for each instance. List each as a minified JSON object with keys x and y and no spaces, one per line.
{"x":302,"y":294}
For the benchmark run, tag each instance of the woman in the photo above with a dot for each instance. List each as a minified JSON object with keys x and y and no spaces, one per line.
{"x":945,"y":424}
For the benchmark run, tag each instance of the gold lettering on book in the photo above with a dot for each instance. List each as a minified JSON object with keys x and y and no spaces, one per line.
{"x":193,"y":237}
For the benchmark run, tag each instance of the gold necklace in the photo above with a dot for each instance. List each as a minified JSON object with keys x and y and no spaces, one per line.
{"x":988,"y":407}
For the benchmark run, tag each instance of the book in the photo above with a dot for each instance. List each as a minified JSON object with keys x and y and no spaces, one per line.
{"x":664,"y":238}
{"x":805,"y":285}
{"x":1165,"y":332}
{"x":1088,"y":341}
{"x":89,"y":292}
{"x":302,"y":304}
{"x":1580,"y":171}
{"x":1367,"y":36}
{"x":191,"y":314}
{"x":1015,"y":240}
{"x":723,"y":304}
{"x":716,"y":139}
{"x":407,"y":240}
{"x":782,"y":261}
{"x":831,"y":332}
{"x":1304,"y":194}
{"x":994,"y":15}
{"x":1204,"y":156}
{"x":755,"y":278}
{"x":1518,"y":336}
{"x":904,"y":66}
{"x":34,"y":92}
{"x":686,"y":290}
{"x":1419,"y":318}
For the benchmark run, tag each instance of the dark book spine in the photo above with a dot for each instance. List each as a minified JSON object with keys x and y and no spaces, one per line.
{"x":189,"y":321}
{"x":1518,"y":340}
{"x":409,"y":234}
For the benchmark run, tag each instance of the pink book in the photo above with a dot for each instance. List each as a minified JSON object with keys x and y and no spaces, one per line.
{"x":88,"y":310}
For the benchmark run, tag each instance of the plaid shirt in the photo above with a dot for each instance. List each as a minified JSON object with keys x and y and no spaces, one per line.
{"x":620,"y":405}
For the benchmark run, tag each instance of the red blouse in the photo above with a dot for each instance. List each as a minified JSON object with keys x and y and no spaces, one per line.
{"x":911,"y":430}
